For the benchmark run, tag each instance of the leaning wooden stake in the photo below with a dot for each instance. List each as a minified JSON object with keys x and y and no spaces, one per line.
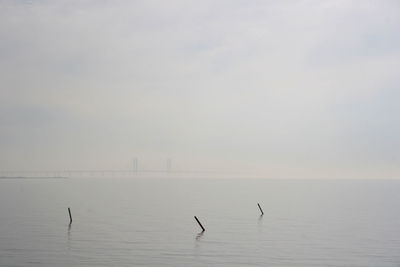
{"x":199,"y":223}
{"x":262,"y":213}
{"x":70,"y":217}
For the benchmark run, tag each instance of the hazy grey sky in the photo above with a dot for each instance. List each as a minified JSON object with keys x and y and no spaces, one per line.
{"x":285,"y":88}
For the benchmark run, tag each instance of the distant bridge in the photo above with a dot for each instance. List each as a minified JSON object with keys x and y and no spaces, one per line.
{"x":91,"y":173}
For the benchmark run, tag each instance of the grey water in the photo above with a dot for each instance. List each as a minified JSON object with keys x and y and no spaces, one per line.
{"x":149,"y":222}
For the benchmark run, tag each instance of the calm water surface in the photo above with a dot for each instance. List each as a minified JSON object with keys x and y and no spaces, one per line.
{"x":149,"y":222}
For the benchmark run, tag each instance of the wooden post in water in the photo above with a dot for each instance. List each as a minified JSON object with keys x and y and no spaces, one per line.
{"x":70,"y":217}
{"x":199,"y":223}
{"x":262,"y":213}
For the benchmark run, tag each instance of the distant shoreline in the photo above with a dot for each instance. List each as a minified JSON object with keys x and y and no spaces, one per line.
{"x":24,"y":177}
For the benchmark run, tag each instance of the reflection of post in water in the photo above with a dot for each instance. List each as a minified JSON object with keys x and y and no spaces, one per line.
{"x":199,"y":235}
{"x":68,"y":251}
{"x":260,"y":223}
{"x":69,"y":231}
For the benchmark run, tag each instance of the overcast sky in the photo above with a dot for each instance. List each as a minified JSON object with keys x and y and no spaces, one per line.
{"x":281,"y":88}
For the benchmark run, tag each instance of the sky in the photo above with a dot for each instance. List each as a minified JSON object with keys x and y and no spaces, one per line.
{"x":284,"y":89}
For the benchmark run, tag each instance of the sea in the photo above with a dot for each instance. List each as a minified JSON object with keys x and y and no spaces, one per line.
{"x":136,"y":221}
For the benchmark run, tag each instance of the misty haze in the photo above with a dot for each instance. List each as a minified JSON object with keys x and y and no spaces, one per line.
{"x":275,"y":123}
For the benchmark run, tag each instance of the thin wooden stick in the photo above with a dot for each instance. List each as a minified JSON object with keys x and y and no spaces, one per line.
{"x":199,"y":223}
{"x":262,"y":213}
{"x":70,"y":217}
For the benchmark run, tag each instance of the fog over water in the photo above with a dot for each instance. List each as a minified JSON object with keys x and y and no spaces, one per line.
{"x":284,"y":89}
{"x":140,"y":115}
